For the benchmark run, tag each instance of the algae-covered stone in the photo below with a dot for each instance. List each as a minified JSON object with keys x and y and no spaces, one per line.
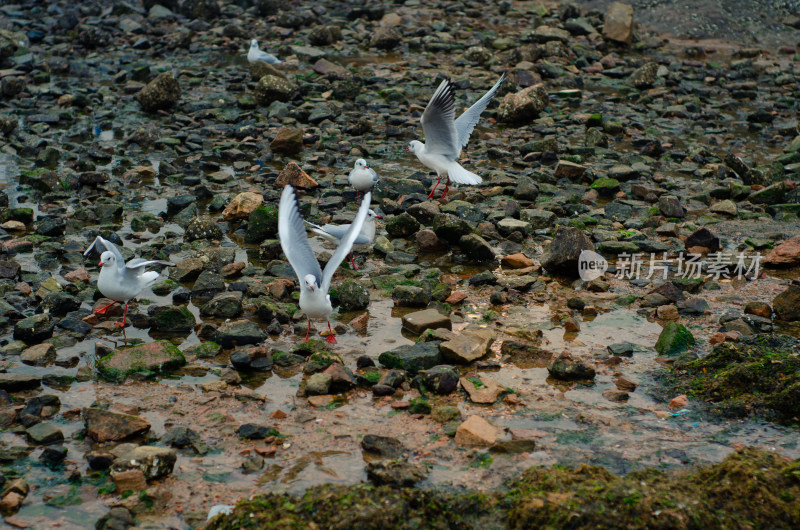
{"x":675,"y":338}
{"x":787,"y":304}
{"x":414,"y":357}
{"x":158,"y":356}
{"x":262,"y":224}
{"x":402,"y":225}
{"x":172,"y":319}
{"x":353,"y":296}
{"x":239,"y":333}
{"x":34,"y":329}
{"x":161,"y":93}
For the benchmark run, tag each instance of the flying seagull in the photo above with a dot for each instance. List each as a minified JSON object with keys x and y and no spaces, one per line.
{"x":315,"y":283}
{"x":335,"y":233}
{"x":122,"y":281}
{"x":445,"y":136}
{"x":362,"y":177}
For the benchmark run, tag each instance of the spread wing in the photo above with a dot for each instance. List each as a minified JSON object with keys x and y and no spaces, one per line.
{"x":294,"y":242}
{"x":441,"y":137}
{"x":346,"y":243}
{"x":106,"y":245}
{"x":136,"y":265}
{"x":467,"y":121}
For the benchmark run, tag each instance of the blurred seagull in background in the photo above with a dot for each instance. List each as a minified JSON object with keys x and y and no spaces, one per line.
{"x":257,"y":55}
{"x":335,"y":233}
{"x":362,"y":177}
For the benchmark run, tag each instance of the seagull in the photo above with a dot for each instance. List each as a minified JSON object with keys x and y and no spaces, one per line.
{"x":362,"y":177}
{"x":335,"y":233}
{"x":122,"y":281}
{"x":257,"y":55}
{"x":445,"y":136}
{"x":315,"y":301}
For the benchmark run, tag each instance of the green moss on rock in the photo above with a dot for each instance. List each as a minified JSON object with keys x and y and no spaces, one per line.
{"x":158,"y":356}
{"x":674,"y":339}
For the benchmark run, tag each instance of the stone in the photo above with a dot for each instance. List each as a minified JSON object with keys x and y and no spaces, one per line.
{"x":413,"y":358}
{"x":385,"y":38}
{"x":508,"y":226}
{"x":787,"y":254}
{"x":162,"y":93}
{"x":569,"y":170}
{"x":238,"y":333}
{"x":625,"y":384}
{"x":14,"y":382}
{"x":567,"y":368}
{"x":384,"y":446}
{"x":523,"y":106}
{"x":445,"y":414}
{"x":482,"y":389}
{"x":39,"y":355}
{"x":568,"y":242}
{"x":11,"y":503}
{"x":513,"y":446}
{"x":397,"y":473}
{"x":130,"y":480}
{"x":262,"y":224}
{"x":618,"y":23}
{"x":703,"y":238}
{"x":410,"y":296}
{"x":34,"y":329}
{"x":517,"y":261}
{"x":787,"y":304}
{"x":450,"y":227}
{"x":644,"y":76}
{"x":9,"y":270}
{"x":726,"y":207}
{"x":180,"y":436}
{"x":172,"y":319}
{"x":442,"y":379}
{"x":401,"y":226}
{"x":153,"y":462}
{"x":157,"y":356}
{"x":318,"y":384}
{"x":679,"y":402}
{"x":467,"y":346}
{"x":476,"y":248}
{"x":674,"y":339}
{"x":428,"y":241}
{"x":670,"y":206}
{"x":251,"y":431}
{"x":273,"y":88}
{"x":44,"y":434}
{"x":353,"y":296}
{"x":202,"y":228}
{"x":288,"y":141}
{"x":223,"y":305}
{"x":476,"y":431}
{"x":616,"y":395}
{"x":420,"y":321}
{"x":106,"y":426}
{"x":623,"y":349}
{"x":294,"y":176}
{"x":242,"y":206}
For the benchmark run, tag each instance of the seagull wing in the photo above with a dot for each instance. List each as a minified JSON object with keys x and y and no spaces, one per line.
{"x":294,"y":242}
{"x":374,"y":176}
{"x":467,"y":121}
{"x":346,"y":243}
{"x":107,"y":245}
{"x":441,"y":137}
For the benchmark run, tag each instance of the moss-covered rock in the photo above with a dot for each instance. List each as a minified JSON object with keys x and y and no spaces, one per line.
{"x":158,"y":356}
{"x":262,"y":224}
{"x":674,"y":339}
{"x":172,"y":319}
{"x":758,"y":374}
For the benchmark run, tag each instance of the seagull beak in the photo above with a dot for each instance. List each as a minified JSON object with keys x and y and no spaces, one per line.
{"x":378,"y":217}
{"x":366,"y":167}
{"x":407,"y":149}
{"x":100,"y":264}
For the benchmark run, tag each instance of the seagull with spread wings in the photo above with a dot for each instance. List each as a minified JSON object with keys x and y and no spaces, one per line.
{"x":335,"y":233}
{"x":445,"y":135}
{"x":122,"y":281}
{"x":314,"y":282}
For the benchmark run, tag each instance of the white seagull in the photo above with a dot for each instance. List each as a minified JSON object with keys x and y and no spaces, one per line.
{"x":314,"y":301}
{"x":362,"y":177}
{"x":335,"y":233}
{"x":122,"y":281}
{"x":257,"y":55}
{"x":445,"y":136}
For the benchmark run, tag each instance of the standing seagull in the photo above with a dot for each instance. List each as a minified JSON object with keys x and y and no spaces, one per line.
{"x":314,"y":301}
{"x":257,"y":55}
{"x":122,"y":281}
{"x":335,"y":233}
{"x":362,"y":177}
{"x":445,"y":136}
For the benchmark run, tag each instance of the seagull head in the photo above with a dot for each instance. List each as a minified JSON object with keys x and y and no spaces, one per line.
{"x":107,"y":258}
{"x":361,"y":164}
{"x":413,"y":146}
{"x":254,"y":44}
{"x":373,"y":215}
{"x":311,"y":282}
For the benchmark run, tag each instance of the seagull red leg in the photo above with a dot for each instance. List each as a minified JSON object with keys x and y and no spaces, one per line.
{"x":434,"y":188}
{"x":330,"y":338}
{"x":446,"y":185}
{"x":308,"y":331}
{"x":124,"y":315}
{"x":102,"y":310}
{"x":352,"y":262}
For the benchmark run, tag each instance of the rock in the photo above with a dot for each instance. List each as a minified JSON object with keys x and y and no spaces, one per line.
{"x":450,"y":227}
{"x":353,"y":296}
{"x":318,"y":384}
{"x":180,"y":436}
{"x":39,"y":355}
{"x":645,"y":76}
{"x":787,"y":254}
{"x":419,"y":321}
{"x":119,"y":518}
{"x":9,"y":270}
{"x":508,"y":226}
{"x":428,"y":241}
{"x":273,"y":88}
{"x":187,"y":270}
{"x":467,"y":346}
{"x":476,"y":248}
{"x":288,"y":141}
{"x":523,"y":106}
{"x":130,"y":480}
{"x":787,"y":304}
{"x":238,"y":333}
{"x":259,"y":69}
{"x":385,"y":38}
{"x":442,"y":379}
{"x":513,"y":446}
{"x":34,"y":329}
{"x":342,"y":379}
{"x":200,"y":228}
{"x":410,"y":296}
{"x":293,"y":175}
{"x":322,"y":35}
{"x":44,"y":434}
{"x":262,"y":224}
{"x":153,"y":462}
{"x":726,"y":207}
{"x":242,"y":206}
{"x":674,"y":339}
{"x":475,"y":431}
{"x":703,"y":238}
{"x":158,"y":356}
{"x":413,"y":358}
{"x":670,"y":206}
{"x":568,"y":242}
{"x":11,"y":503}
{"x":106,"y":426}
{"x":397,"y":473}
{"x":569,"y":170}
{"x":384,"y":446}
{"x":618,"y":23}
{"x":517,"y":261}
{"x":53,"y":456}
{"x":445,"y":414}
{"x":251,"y":431}
{"x":401,"y":226}
{"x":223,"y":305}
{"x":625,"y":384}
{"x":482,"y":389}
{"x":16,"y":382}
{"x":566,"y":368}
{"x":161,"y":93}
{"x":526,"y":190}
{"x":679,"y":402}
{"x":172,"y":319}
